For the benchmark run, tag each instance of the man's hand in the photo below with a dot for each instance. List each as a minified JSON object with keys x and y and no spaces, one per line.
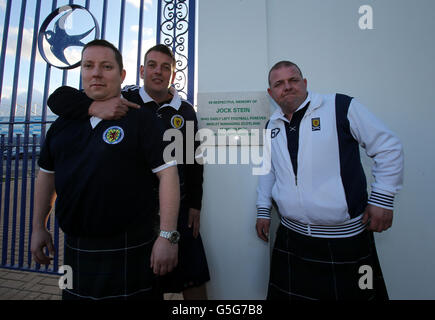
{"x":164,"y":257}
{"x":111,"y":109}
{"x":380,"y":219}
{"x":41,"y":239}
{"x":194,"y":218}
{"x":263,"y":226}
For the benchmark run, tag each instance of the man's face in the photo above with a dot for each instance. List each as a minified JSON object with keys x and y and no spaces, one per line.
{"x":287,"y":88}
{"x":101,"y":74}
{"x":157,"y":73}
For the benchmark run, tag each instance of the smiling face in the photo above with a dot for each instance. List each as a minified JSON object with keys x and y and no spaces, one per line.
{"x":287,"y":88}
{"x":158,"y":74}
{"x":101,"y":73}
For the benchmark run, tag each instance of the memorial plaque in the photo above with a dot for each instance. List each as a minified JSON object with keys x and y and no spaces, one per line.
{"x":236,"y":118}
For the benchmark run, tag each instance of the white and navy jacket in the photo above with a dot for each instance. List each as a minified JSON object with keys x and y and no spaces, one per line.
{"x":327,"y":193}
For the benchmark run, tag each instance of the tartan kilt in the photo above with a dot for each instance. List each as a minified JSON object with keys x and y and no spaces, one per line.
{"x":112,"y":268}
{"x":310,"y":268}
{"x":192,"y":268}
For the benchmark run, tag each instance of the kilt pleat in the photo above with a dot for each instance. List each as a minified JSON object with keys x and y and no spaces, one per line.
{"x":192,"y":268}
{"x":112,"y":268}
{"x":309,"y":268}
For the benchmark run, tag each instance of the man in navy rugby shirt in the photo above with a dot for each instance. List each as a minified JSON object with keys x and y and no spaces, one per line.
{"x":102,"y":174}
{"x":157,"y":94}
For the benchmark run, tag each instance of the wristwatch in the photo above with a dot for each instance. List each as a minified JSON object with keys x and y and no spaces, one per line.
{"x":172,"y":236}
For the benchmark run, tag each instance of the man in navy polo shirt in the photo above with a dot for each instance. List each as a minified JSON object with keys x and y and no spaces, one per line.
{"x":101,"y":172}
{"x":157,"y":94}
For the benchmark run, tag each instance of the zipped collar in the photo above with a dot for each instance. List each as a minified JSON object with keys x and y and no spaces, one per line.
{"x":175,"y":102}
{"x":314,"y":99}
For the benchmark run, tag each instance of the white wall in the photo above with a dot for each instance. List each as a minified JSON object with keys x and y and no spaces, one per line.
{"x":232,"y":57}
{"x":389,"y":68}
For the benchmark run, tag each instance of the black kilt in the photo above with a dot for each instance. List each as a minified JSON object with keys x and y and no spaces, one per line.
{"x":309,"y":268}
{"x":192,"y":268}
{"x":112,"y":268}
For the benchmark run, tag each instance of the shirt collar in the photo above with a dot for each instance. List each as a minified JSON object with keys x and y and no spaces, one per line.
{"x":175,"y":102}
{"x":95,"y":120}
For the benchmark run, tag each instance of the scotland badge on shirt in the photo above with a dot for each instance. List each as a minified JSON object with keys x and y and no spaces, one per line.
{"x":315,"y":124}
{"x":177,"y":121}
{"x":113,"y":135}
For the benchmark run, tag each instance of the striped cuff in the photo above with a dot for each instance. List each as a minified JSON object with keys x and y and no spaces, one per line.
{"x":263,"y":213}
{"x":381,"y":200}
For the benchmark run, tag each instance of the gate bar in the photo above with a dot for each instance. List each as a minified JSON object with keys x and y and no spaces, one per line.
{"x":121,"y":26}
{"x":32,"y":197}
{"x":15,"y":202}
{"x":26,"y":136}
{"x":46,"y":87}
{"x":12,"y":118}
{"x":191,"y":53}
{"x":4,"y":43}
{"x":104,"y":20}
{"x":139,"y":43}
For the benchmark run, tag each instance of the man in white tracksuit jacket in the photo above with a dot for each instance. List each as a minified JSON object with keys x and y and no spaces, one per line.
{"x":317,"y":182}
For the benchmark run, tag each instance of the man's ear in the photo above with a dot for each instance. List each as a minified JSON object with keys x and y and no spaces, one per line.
{"x":123,"y":74}
{"x":173,"y":77}
{"x":142,"y":72}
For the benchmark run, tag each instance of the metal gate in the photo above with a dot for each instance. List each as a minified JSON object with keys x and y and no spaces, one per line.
{"x":26,"y":80}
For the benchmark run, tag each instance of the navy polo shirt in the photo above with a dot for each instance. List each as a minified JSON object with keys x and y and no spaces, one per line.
{"x":103,"y":175}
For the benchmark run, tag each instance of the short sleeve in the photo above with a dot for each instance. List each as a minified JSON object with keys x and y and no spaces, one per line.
{"x":152,"y":141}
{"x":46,"y":160}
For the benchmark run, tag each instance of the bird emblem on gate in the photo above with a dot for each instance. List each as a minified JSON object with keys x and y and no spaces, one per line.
{"x":57,"y":40}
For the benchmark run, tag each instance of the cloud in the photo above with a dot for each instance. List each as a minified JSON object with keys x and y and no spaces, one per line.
{"x":26,"y":44}
{"x":136,"y":3}
{"x":2,"y":4}
{"x":130,"y":59}
{"x":147,"y":32}
{"x":5,"y":106}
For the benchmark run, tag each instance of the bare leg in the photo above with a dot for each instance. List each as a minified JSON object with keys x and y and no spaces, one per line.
{"x":195,"y":293}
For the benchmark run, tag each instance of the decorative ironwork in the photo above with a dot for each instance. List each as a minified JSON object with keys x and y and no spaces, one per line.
{"x":177,"y":25}
{"x":22,"y":136}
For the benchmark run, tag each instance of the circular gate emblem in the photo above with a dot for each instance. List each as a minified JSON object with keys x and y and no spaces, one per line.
{"x":63,"y":34}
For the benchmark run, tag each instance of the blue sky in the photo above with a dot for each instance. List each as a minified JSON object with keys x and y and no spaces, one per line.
{"x":130,"y":44}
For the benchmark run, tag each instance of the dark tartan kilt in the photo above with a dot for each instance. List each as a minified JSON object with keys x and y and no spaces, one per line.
{"x":309,"y":268}
{"x":192,"y":268}
{"x":113,"y":268}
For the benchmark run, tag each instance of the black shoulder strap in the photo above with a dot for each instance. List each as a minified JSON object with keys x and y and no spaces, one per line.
{"x":352,"y":172}
{"x":342,"y":103}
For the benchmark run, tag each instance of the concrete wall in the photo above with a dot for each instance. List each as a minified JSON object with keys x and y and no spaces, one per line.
{"x":389,"y":68}
{"x":232,"y":57}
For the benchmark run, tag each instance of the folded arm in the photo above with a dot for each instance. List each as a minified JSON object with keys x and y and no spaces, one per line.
{"x":71,"y":103}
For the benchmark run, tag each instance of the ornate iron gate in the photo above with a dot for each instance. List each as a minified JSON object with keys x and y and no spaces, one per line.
{"x":24,"y":119}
